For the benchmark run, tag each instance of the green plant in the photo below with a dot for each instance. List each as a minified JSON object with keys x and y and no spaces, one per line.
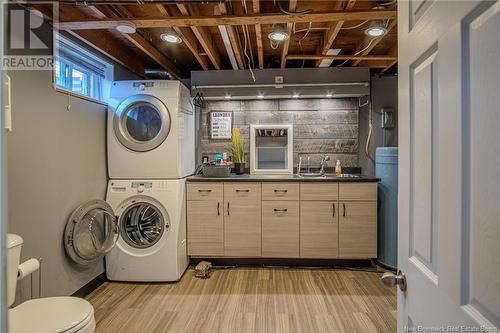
{"x":237,"y":146}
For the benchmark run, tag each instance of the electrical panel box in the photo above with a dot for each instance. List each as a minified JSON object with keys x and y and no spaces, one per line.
{"x":388,"y":118}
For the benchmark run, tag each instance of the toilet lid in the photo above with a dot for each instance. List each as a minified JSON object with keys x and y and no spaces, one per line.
{"x":50,"y":315}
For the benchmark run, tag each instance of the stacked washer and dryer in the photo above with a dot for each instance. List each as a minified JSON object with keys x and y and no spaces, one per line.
{"x":141,"y":228}
{"x":151,"y":149}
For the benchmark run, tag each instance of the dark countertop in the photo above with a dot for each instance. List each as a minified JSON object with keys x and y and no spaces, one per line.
{"x":282,"y":178}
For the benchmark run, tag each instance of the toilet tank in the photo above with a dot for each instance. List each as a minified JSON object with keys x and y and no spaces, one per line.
{"x":14,"y":244}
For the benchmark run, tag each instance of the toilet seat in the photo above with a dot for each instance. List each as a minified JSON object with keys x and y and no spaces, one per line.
{"x":51,"y":315}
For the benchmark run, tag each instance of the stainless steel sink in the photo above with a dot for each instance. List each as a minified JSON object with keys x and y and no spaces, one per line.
{"x":344,"y":175}
{"x":326,"y":175}
{"x":311,"y":175}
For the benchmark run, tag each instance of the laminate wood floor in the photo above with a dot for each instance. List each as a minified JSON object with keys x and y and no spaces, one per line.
{"x":249,"y":300}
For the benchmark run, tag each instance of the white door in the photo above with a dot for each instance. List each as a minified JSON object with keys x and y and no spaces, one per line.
{"x":449,"y":187}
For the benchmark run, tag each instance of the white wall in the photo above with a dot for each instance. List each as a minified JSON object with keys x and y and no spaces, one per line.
{"x":56,"y":159}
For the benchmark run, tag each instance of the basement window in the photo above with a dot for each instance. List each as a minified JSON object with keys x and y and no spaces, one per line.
{"x":81,"y":72}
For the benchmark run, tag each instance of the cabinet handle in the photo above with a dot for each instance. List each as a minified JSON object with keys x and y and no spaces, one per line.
{"x":333,"y":206}
{"x":204,"y":191}
{"x":282,"y":210}
{"x":218,"y":208}
{"x":344,"y":208}
{"x":228,"y":209}
{"x":280,"y":191}
{"x":242,"y":191}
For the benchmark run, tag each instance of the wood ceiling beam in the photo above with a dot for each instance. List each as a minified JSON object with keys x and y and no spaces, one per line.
{"x":392,"y":51}
{"x":375,"y":42}
{"x":188,"y":38}
{"x":333,"y":31}
{"x":341,"y":57}
{"x":110,"y":47}
{"x":233,"y":39}
{"x":258,"y":34}
{"x":203,"y":36}
{"x":141,"y":43}
{"x":250,"y":19}
{"x":292,"y":7}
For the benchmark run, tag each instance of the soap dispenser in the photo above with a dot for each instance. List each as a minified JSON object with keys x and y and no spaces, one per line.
{"x":338,"y":168}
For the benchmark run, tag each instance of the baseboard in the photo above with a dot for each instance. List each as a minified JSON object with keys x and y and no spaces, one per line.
{"x":91,"y":286}
{"x":283,"y":262}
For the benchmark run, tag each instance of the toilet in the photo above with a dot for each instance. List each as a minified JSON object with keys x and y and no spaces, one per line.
{"x":44,"y":315}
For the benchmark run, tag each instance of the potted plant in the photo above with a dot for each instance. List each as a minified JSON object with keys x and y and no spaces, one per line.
{"x":238,"y":150}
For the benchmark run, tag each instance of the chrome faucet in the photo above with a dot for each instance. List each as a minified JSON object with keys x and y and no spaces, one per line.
{"x":324,"y":159}
{"x":299,"y":166}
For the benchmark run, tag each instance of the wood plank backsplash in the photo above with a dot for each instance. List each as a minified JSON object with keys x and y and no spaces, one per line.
{"x":320,"y":126}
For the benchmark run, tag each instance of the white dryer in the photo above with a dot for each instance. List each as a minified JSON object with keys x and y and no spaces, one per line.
{"x":151,"y":218}
{"x":151,"y":132}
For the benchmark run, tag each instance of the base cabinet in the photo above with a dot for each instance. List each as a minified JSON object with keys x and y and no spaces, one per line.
{"x":318,"y":229}
{"x":282,"y":220}
{"x":280,"y":229}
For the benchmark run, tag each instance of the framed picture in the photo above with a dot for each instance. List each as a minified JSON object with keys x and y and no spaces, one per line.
{"x":221,"y":125}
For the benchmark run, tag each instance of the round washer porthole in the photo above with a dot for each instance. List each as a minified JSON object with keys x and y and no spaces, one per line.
{"x":142,"y":224}
{"x":141,"y":123}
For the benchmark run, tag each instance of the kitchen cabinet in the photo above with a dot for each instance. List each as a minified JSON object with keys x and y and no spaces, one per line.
{"x":242,"y":219}
{"x":280,"y":229}
{"x":309,"y":220}
{"x":358,"y":229}
{"x":318,"y":229}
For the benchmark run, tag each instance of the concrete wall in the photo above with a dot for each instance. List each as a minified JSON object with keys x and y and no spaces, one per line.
{"x":328,"y":126}
{"x":384,"y":94}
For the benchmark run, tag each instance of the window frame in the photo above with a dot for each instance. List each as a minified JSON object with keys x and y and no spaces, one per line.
{"x":106,"y":81}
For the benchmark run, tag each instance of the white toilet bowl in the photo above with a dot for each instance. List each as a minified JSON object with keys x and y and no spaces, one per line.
{"x":44,"y":315}
{"x":52,"y":314}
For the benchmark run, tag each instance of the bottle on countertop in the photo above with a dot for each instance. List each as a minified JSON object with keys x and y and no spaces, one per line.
{"x":338,"y":168}
{"x":224,"y":159}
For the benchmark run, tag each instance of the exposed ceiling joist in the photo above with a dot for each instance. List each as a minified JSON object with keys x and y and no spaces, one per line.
{"x":292,"y":7}
{"x":393,"y":51}
{"x":188,"y":38}
{"x":233,"y":38}
{"x":203,"y":36}
{"x":250,"y":19}
{"x":333,"y":31}
{"x":140,"y":42}
{"x":341,"y":57}
{"x":367,"y":40}
{"x":258,"y":34}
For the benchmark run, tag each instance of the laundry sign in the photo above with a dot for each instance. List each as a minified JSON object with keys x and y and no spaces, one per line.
{"x":221,"y":124}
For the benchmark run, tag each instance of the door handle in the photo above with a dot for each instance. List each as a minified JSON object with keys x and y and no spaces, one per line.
{"x":218,"y":208}
{"x":228,"y":209}
{"x":333,"y":206}
{"x":391,"y":280}
{"x":344,"y":209}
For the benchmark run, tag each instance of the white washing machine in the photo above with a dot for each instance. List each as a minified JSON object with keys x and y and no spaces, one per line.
{"x":151,"y":132}
{"x":151,"y":219}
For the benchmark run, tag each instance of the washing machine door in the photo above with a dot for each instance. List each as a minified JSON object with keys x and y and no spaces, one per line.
{"x":141,"y":123}
{"x":91,"y":232}
{"x":142,"y":221}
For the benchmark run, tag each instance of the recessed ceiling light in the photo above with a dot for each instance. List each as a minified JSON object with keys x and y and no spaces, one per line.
{"x":376,"y":31}
{"x":126,"y":27}
{"x":171,"y":37}
{"x":227,"y":97}
{"x":329,"y":95}
{"x":295,"y":95}
{"x":260,"y":96}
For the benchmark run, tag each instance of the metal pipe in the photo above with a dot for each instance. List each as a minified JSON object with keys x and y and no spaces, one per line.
{"x":332,"y":84}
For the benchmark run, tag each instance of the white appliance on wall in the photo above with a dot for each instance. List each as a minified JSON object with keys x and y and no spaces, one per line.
{"x":141,"y":230}
{"x":151,"y":130}
{"x":271,"y":149}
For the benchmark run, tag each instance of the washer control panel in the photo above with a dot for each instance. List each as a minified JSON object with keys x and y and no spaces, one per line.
{"x":142,"y":186}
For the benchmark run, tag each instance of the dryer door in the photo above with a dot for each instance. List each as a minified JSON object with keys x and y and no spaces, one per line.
{"x":141,"y":123}
{"x":142,"y":221}
{"x":91,"y":232}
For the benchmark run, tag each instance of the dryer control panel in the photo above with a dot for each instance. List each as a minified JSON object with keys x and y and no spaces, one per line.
{"x":142,"y":186}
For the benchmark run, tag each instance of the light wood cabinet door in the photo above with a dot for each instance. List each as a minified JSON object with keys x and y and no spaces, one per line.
{"x":358,"y":191}
{"x":280,"y":229}
{"x":357,"y":230}
{"x":206,"y":191}
{"x":280,"y":191}
{"x":205,"y":228}
{"x":319,"y":229}
{"x":242,"y":227}
{"x":319,"y":191}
